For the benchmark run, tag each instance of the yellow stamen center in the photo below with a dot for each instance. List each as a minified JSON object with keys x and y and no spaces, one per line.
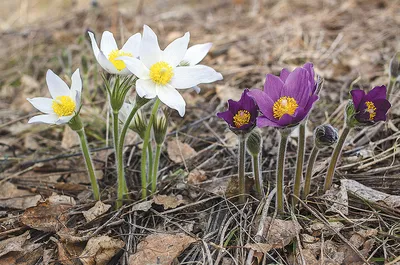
{"x":161,"y":73}
{"x":242,"y":117}
{"x":371,"y":109}
{"x":284,"y":105}
{"x":119,"y":64}
{"x":63,"y":106}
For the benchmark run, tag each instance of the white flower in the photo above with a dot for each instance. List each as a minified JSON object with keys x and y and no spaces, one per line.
{"x":63,"y":105}
{"x":159,"y":74}
{"x":194,"y":55}
{"x":109,"y":52}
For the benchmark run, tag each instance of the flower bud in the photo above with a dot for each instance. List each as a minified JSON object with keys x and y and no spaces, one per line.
{"x":325,"y":136}
{"x":254,"y":142}
{"x":394,"y":67}
{"x":160,"y":125}
{"x":350,"y":113}
{"x":140,"y":102}
{"x":138,"y":124}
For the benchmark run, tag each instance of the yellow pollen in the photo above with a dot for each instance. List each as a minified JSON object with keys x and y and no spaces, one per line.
{"x":63,"y":106}
{"x":161,"y":73}
{"x":119,"y":64}
{"x":371,"y":109}
{"x":284,"y":105}
{"x":242,"y":117}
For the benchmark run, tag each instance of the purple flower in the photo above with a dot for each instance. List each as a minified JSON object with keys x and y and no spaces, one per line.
{"x":287,"y":99}
{"x":241,"y":115}
{"x":371,"y":107}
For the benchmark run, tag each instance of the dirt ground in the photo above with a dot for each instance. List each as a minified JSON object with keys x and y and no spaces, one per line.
{"x":350,"y":42}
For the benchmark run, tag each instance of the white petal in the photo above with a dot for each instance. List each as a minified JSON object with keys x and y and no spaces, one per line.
{"x":94,"y":44}
{"x":190,"y":76}
{"x":64,"y":119}
{"x":106,"y":64}
{"x":48,"y":118}
{"x":176,"y":50}
{"x":172,"y":98}
{"x":146,"y":88}
{"x":76,"y":82}
{"x":196,"y":53}
{"x":136,"y":67}
{"x":42,"y":104}
{"x":108,"y":43}
{"x":132,"y":45}
{"x":57,"y":86}
{"x":150,"y":52}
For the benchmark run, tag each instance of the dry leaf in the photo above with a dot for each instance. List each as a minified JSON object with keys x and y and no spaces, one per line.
{"x":20,"y":203}
{"x":338,"y":195}
{"x":196,"y":176}
{"x":318,"y":228}
{"x":142,"y":206}
{"x":160,"y":249}
{"x":70,"y":138}
{"x":9,"y":190}
{"x":169,"y":202}
{"x":13,"y":244}
{"x":100,"y":250}
{"x":280,"y":233}
{"x":48,"y":216}
{"x":225,"y":92}
{"x":178,"y":151}
{"x":98,"y":209}
{"x":370,"y":194}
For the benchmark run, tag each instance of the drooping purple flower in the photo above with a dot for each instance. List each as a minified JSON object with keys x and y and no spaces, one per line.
{"x":241,"y":115}
{"x":371,"y":107}
{"x":287,"y":99}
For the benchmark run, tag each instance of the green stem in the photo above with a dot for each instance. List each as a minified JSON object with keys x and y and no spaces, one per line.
{"x":299,"y":162}
{"x":155,"y":169}
{"x":280,"y":172}
{"x":257,"y":175}
{"x":310,"y":167}
{"x":335,"y":156}
{"x":122,"y":189}
{"x":89,"y":163}
{"x":146,"y":141}
{"x":241,"y":167}
{"x":392,"y":82}
{"x":150,"y":157}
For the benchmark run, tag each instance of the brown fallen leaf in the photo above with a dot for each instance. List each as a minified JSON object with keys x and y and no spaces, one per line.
{"x":318,"y":228}
{"x":50,"y":215}
{"x":196,"y":176}
{"x":20,"y":203}
{"x":98,"y":209}
{"x":9,"y":190}
{"x":142,"y":206}
{"x":160,"y":249}
{"x":338,"y":195}
{"x":13,"y":244}
{"x":70,"y":138}
{"x":169,"y":202}
{"x":178,"y":151}
{"x":100,"y":250}
{"x":225,"y":92}
{"x":280,"y":233}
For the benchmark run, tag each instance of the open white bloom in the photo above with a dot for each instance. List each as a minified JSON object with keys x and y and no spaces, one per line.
{"x":194,"y":55}
{"x":160,"y":73}
{"x":65,"y":102}
{"x":108,"y":53}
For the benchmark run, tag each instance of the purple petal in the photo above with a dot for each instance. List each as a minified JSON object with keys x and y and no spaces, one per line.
{"x":247,"y":103}
{"x":378,"y":92}
{"x":227,"y":116}
{"x":263,"y":121}
{"x":358,"y":96}
{"x":286,"y":120}
{"x":380,"y":115}
{"x":273,"y":87}
{"x":382,"y":104}
{"x":284,"y":74}
{"x":264,"y":102}
{"x":297,"y":86}
{"x":310,"y":103}
{"x":233,"y":106}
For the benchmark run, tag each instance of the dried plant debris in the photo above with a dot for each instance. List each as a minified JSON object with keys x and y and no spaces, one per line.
{"x":160,"y":249}
{"x":168,"y":202}
{"x":100,"y":250}
{"x":98,"y":209}
{"x":179,"y":152}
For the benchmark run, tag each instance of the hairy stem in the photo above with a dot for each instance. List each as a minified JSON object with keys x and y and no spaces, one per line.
{"x":122,"y":189}
{"x":392,"y":82}
{"x":257,"y":175}
{"x":280,"y":172}
{"x":155,"y":169}
{"x":146,"y":142}
{"x":241,"y":167}
{"x":89,"y":163}
{"x":299,"y":162}
{"x":335,"y":156}
{"x":310,"y":167}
